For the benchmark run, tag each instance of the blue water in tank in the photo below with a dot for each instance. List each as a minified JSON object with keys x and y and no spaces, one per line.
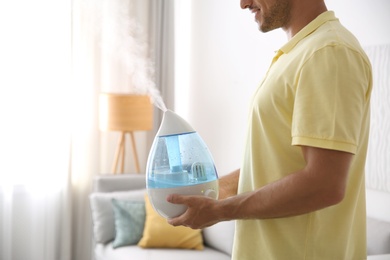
{"x":179,"y":160}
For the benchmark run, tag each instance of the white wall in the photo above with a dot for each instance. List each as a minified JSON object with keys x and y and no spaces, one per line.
{"x":227,"y":58}
{"x":369,"y":20}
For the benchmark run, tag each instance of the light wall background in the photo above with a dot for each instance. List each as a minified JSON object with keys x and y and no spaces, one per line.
{"x":225,"y":56}
{"x":220,"y":57}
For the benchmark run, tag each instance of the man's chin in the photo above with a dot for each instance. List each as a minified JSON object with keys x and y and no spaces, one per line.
{"x":263,"y":28}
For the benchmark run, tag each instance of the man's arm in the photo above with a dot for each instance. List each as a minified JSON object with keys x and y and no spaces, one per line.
{"x":228,"y":185}
{"x":321,"y":183}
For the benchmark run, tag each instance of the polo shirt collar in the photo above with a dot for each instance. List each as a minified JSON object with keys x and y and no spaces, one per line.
{"x":308,"y":29}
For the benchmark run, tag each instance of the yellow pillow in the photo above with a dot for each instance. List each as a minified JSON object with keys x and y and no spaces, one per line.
{"x":159,"y":234}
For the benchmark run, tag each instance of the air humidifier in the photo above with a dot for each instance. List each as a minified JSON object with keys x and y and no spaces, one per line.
{"x":179,"y":162}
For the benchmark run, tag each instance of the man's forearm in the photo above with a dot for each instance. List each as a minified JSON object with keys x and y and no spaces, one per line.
{"x":320,"y":184}
{"x":292,"y":195}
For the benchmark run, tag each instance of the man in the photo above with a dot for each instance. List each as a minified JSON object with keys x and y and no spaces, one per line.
{"x":300,"y":193}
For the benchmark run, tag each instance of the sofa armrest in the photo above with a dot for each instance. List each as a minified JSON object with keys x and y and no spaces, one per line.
{"x":122,"y":182}
{"x":378,"y":237}
{"x":378,"y":222}
{"x":220,"y":236}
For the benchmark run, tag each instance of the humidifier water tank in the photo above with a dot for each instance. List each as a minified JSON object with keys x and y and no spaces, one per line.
{"x":179,"y":163}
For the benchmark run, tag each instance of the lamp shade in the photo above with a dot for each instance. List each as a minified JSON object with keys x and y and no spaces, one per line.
{"x":125,"y":112}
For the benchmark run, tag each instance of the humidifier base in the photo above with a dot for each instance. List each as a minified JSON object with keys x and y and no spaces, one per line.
{"x":158,"y":197}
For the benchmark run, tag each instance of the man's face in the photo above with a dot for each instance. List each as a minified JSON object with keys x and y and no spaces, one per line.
{"x":269,"y":14}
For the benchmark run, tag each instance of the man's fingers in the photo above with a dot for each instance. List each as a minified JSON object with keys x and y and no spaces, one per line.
{"x":179,"y":199}
{"x":176,"y":221}
{"x":175,"y":199}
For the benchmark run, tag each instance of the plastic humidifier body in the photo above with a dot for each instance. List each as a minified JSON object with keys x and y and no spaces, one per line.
{"x":179,"y":163}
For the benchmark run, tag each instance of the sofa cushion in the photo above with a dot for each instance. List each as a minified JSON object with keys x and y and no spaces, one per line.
{"x":103,"y":214}
{"x":159,"y":234}
{"x":129,"y":222}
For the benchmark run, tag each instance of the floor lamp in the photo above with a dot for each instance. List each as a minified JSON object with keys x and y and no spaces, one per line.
{"x":125,"y":113}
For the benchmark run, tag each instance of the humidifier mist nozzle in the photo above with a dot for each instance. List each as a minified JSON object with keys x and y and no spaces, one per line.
{"x":173,"y":124}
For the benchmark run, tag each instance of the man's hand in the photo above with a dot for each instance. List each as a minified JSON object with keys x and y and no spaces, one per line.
{"x":201,"y":211}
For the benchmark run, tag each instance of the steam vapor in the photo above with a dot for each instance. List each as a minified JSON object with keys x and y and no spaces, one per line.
{"x":124,"y":40}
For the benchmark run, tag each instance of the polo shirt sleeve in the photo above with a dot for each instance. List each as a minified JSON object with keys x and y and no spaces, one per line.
{"x":332,"y":90}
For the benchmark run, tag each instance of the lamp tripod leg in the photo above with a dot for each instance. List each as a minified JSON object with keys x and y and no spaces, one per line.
{"x":123,"y":144}
{"x":119,"y":153}
{"x":135,"y":155}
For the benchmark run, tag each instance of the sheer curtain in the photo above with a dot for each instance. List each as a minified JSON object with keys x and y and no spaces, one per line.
{"x":53,"y":67}
{"x":35,"y":67}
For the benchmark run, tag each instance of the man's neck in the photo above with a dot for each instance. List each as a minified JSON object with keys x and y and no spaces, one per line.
{"x":302,"y":13}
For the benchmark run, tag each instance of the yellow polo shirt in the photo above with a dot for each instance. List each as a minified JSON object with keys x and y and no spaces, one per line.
{"x":315,"y":93}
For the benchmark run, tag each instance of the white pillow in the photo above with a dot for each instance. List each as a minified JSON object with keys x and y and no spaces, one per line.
{"x":103,"y":214}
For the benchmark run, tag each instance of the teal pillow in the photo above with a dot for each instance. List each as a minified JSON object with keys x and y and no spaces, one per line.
{"x":129,"y":222}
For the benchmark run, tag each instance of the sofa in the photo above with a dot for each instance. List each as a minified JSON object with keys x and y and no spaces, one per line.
{"x":217,"y":240}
